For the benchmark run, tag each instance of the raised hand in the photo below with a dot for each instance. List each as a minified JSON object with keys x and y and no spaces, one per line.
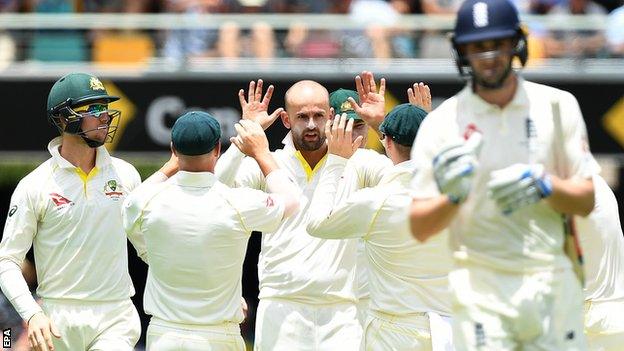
{"x":372,"y":107}
{"x":251,"y":139}
{"x":339,"y":133}
{"x":420,"y":95}
{"x":255,"y":107}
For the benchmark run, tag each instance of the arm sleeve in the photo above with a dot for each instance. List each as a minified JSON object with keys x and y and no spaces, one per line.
{"x":228,"y":165}
{"x":375,"y":169}
{"x":19,"y":232}
{"x":257,"y":210}
{"x":576,"y":157}
{"x":278,"y":182}
{"x":132,"y":217}
{"x":332,"y":218}
{"x":423,"y":184}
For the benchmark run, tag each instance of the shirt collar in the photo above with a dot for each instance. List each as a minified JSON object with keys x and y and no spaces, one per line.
{"x":102,"y":157}
{"x":288,"y":141}
{"x":195,"y":179}
{"x":481,"y":106}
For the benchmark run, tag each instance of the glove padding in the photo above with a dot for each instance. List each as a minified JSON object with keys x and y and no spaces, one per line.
{"x":454,"y":168}
{"x":519,"y":185}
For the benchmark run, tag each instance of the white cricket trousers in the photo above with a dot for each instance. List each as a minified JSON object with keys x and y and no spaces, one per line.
{"x":91,"y":326}
{"x":294,"y":326}
{"x":499,"y":311}
{"x":419,"y":331}
{"x":604,"y":325}
{"x":168,"y":336}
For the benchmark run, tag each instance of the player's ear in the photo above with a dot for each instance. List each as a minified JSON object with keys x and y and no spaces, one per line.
{"x":173,"y":150}
{"x":332,"y":113}
{"x":217,"y":150}
{"x":285,"y":119}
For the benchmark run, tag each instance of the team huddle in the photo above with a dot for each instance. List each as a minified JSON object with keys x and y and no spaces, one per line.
{"x":453,"y":240}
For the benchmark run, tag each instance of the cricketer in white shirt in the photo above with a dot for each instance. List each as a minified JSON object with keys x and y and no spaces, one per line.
{"x":307,"y":285}
{"x":602,"y":241}
{"x":408,"y":280}
{"x":73,"y":222}
{"x":196,"y":232}
{"x":512,"y":274}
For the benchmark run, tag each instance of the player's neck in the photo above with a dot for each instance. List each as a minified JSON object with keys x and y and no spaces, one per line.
{"x":315,"y":156}
{"x":77,"y":152}
{"x":501,"y":96}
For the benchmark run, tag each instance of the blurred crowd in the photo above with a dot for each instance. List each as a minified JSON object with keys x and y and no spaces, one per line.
{"x":380,"y":39}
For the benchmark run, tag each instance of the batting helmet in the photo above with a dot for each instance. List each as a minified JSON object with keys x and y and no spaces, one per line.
{"x":74,"y":90}
{"x":480,"y":20}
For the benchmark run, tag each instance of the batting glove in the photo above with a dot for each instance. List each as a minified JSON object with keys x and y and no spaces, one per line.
{"x":519,"y":185}
{"x":454,"y":168}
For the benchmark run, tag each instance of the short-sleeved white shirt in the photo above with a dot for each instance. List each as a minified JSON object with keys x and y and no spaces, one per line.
{"x":196,"y":231}
{"x":524,"y":131}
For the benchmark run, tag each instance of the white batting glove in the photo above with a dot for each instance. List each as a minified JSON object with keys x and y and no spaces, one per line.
{"x":455,"y":166}
{"x":519,"y":185}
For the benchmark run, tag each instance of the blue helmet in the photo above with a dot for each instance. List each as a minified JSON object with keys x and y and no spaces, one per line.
{"x":479,"y":20}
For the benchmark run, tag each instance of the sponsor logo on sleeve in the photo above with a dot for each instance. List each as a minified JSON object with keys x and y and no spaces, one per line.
{"x":12,"y":210}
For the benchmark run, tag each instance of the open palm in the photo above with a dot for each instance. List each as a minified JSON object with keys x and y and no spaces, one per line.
{"x":255,"y":108}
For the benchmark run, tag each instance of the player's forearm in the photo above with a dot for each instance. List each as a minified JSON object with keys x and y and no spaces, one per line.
{"x":430,"y":216}
{"x":277,"y":182}
{"x":228,"y":165}
{"x":16,"y":290}
{"x":572,"y":196}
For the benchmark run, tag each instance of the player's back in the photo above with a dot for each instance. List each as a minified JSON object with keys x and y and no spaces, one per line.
{"x":196,"y":244}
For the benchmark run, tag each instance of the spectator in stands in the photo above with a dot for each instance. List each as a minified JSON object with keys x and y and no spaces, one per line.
{"x":435,"y":44}
{"x":181,"y":44}
{"x":576,"y":43}
{"x":615,"y":32}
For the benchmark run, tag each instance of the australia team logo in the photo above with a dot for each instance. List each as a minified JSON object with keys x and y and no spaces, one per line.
{"x":113,"y":190}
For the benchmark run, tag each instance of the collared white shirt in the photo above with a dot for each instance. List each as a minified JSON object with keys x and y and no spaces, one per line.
{"x":292,"y":264}
{"x":405,"y":276}
{"x":196,"y":231}
{"x":73,"y":221}
{"x":524,"y":131}
{"x":601,"y":238}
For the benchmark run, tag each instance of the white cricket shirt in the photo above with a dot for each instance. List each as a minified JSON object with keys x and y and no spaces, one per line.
{"x":73,"y":221}
{"x":531,"y":238}
{"x":196,"y":231}
{"x":601,"y":239}
{"x":405,"y":276}
{"x":292,"y":264}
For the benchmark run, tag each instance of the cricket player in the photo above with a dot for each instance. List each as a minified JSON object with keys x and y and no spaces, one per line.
{"x":372,"y":107}
{"x":307,"y":285}
{"x":602,"y":241}
{"x":502,"y":192}
{"x":69,"y":210}
{"x":408,"y":281}
{"x":196,"y":230}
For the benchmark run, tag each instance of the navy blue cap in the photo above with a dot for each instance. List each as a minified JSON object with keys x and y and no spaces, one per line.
{"x":479,"y":20}
{"x":402,"y":123}
{"x":195,"y":133}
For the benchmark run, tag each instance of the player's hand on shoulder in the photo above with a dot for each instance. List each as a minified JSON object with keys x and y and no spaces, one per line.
{"x":339,"y":134}
{"x":251,"y":139}
{"x":519,"y":185}
{"x":255,"y":107}
{"x":455,"y":166}
{"x":420,"y":95}
{"x":41,"y":329}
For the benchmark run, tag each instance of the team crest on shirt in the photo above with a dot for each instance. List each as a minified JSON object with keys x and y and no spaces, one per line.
{"x":470,"y":129}
{"x":113,"y":190}
{"x":61,"y":201}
